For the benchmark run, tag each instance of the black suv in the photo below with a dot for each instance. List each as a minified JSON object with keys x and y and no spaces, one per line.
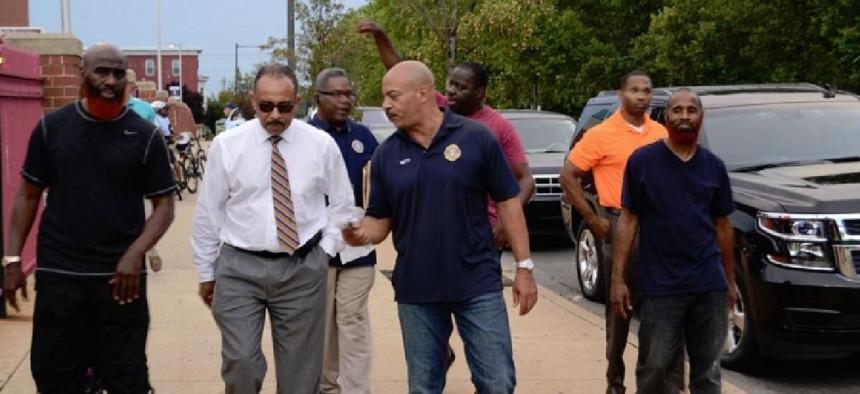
{"x":793,"y":156}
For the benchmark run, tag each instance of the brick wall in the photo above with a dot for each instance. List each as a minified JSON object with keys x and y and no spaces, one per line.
{"x":62,"y":80}
{"x":14,"y":13}
{"x":60,"y":60}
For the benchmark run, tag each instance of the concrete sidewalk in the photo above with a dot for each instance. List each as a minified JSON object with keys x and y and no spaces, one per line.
{"x":558,"y":347}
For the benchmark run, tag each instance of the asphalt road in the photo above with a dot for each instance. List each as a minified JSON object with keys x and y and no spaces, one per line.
{"x":554,"y":270}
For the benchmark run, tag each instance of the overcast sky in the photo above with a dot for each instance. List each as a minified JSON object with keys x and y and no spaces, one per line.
{"x":214,"y":26}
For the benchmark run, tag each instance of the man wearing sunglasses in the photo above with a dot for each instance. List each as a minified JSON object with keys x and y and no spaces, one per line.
{"x":274,"y":197}
{"x":98,"y":160}
{"x":348,"y":348}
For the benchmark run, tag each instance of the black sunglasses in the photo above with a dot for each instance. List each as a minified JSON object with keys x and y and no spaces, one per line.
{"x":268,"y":106}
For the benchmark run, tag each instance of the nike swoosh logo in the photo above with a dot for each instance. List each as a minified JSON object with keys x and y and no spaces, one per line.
{"x":405,"y":161}
{"x":126,"y":132}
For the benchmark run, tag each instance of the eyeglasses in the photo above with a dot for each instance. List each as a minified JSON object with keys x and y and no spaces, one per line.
{"x":118,"y":73}
{"x":348,"y":94}
{"x":268,"y":106}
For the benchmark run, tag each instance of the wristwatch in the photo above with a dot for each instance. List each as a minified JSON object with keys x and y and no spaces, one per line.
{"x":526,"y":264}
{"x":10,"y":259}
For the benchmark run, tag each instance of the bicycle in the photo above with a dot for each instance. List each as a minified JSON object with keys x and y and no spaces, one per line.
{"x":192,"y":161}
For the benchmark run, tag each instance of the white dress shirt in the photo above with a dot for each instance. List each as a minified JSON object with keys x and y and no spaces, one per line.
{"x":235,"y":201}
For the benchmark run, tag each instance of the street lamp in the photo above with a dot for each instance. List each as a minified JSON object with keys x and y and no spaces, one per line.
{"x":236,"y":62}
{"x":180,"y":67}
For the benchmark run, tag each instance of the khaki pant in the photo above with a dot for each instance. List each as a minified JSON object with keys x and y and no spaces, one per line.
{"x":348,"y":345}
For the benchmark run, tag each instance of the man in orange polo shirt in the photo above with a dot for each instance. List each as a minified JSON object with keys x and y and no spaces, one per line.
{"x":604,"y":151}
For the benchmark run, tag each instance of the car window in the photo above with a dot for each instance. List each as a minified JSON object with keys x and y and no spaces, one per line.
{"x":542,"y":135}
{"x":382,"y":132}
{"x":783,"y":133}
{"x":371,"y":116}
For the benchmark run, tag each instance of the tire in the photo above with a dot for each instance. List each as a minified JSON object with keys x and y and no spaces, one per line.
{"x":201,"y":165}
{"x":191,"y":176}
{"x":741,"y":352}
{"x":588,"y":262}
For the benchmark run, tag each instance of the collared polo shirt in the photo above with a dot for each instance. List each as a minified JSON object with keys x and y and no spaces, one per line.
{"x":357,"y":145}
{"x":436,"y":201}
{"x":605,"y":149}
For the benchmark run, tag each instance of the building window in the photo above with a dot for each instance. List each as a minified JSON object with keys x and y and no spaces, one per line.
{"x":175,"y":65}
{"x":149,"y":65}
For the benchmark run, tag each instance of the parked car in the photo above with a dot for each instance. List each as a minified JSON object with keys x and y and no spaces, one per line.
{"x":793,"y":156}
{"x":545,"y":137}
{"x":375,"y":120}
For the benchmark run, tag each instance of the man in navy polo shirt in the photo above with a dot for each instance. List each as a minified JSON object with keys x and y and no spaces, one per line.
{"x":429,"y":185}
{"x":677,"y":194}
{"x":348,"y":348}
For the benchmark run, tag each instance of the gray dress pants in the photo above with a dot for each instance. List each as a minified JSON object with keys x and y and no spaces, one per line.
{"x":292,"y":290}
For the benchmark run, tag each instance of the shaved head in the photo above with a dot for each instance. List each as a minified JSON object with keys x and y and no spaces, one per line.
{"x":102,"y":52}
{"x":414,"y":73}
{"x":409,"y":94}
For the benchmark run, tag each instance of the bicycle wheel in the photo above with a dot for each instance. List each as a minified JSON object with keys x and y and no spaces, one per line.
{"x":189,"y":170}
{"x":201,"y":165}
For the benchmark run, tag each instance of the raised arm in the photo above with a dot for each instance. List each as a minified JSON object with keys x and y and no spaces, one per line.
{"x":387,"y":53}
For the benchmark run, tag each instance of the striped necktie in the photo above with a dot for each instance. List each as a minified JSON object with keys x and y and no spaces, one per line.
{"x":285,"y":217}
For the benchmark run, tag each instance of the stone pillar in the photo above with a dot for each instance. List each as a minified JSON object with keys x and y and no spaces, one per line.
{"x":60,"y":58}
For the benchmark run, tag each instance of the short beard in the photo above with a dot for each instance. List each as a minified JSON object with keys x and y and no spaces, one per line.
{"x":684,"y":138}
{"x":99,"y":108}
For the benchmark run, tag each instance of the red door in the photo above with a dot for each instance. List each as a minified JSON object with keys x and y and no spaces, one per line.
{"x":20,"y":110}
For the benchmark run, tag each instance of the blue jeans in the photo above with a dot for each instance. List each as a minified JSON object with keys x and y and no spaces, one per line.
{"x":482,"y":323}
{"x":700,"y":320}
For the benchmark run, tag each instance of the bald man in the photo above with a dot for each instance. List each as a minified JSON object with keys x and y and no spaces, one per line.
{"x":429,"y":184}
{"x":99,"y":160}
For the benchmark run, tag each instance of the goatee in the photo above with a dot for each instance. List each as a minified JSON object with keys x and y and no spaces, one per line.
{"x":101,"y":109}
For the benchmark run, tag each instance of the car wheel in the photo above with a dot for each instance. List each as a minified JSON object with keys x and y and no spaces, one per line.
{"x":589,"y":257}
{"x":740,"y":353}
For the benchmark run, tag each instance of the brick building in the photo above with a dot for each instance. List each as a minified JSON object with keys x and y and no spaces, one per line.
{"x":143,"y":61}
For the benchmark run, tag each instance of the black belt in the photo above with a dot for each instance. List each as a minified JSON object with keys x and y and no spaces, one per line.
{"x":300,"y":252}
{"x":612,"y":211}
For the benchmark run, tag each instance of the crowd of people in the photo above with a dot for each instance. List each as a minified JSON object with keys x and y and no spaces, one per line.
{"x":289,"y":212}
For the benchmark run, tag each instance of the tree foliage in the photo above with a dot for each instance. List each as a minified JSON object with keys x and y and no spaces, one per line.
{"x":555,"y":54}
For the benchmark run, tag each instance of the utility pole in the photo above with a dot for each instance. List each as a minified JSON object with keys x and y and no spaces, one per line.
{"x":66,"y":11}
{"x":158,"y":44}
{"x":291,"y":31}
{"x":236,"y":65}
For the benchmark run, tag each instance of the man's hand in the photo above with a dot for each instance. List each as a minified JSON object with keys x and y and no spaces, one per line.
{"x":524,"y":290}
{"x":732,"y":295}
{"x":367,"y":26}
{"x":14,"y":280}
{"x":620,"y":298}
{"x":206,"y":290}
{"x":601,"y":227}
{"x":126,"y":279}
{"x":354,"y":235}
{"x":500,"y":236}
